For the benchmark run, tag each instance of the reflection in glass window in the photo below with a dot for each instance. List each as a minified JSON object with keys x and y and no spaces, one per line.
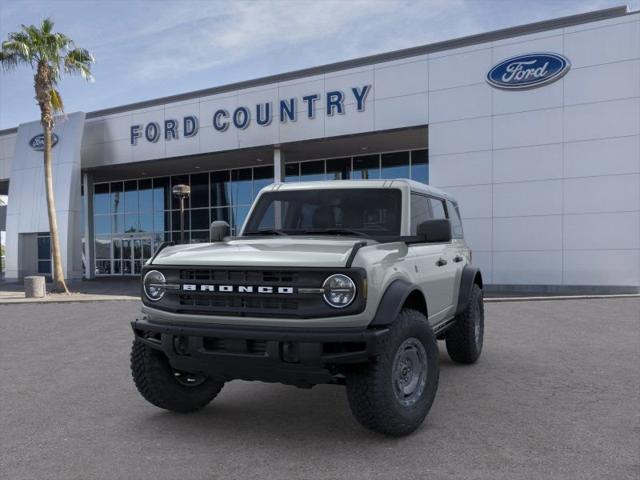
{"x":241,"y":189}
{"x":101,"y":198}
{"x":339,"y":168}
{"x":456,"y":222}
{"x":145,"y":195}
{"x":175,"y":220}
{"x":131,"y":222}
{"x":200,"y":218}
{"x":420,"y":166}
{"x":146,"y":222}
{"x":131,"y":196}
{"x":199,"y":236}
{"x":312,"y":171}
{"x":240,"y":214}
{"x":161,"y":194}
{"x":420,"y":211}
{"x":44,"y":247}
{"x":116,"y":197}
{"x":437,"y":208}
{"x":366,"y":167}
{"x":262,"y":176}
{"x":102,"y":224}
{"x":395,"y":165}
{"x":220,"y":189}
{"x":200,"y":190}
{"x":44,"y":267}
{"x":161,"y":222}
{"x":117,"y":223}
{"x":292,"y":172}
{"x":103,"y":247}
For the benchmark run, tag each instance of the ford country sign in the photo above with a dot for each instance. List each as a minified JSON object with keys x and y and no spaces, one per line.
{"x":528,"y":71}
{"x":37,"y":142}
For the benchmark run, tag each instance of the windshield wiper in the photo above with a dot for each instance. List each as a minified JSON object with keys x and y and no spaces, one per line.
{"x":336,"y":231}
{"x":267,"y":231}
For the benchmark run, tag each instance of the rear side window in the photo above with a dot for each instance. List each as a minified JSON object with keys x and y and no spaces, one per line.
{"x":454,"y":218}
{"x":420,"y":211}
{"x":437,"y":208}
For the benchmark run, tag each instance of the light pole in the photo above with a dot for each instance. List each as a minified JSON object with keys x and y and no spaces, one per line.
{"x":182,"y":192}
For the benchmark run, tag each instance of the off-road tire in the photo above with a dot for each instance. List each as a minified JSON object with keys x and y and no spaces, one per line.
{"x":370,"y":387}
{"x":463,"y":345}
{"x":156,"y":382}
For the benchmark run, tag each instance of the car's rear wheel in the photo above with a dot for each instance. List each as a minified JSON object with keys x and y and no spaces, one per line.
{"x":167,"y":388}
{"x":394,"y":393}
{"x":465,"y":338}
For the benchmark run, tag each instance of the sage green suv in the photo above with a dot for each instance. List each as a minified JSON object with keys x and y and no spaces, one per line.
{"x":342,"y":282}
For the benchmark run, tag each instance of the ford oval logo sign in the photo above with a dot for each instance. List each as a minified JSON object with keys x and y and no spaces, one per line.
{"x":528,"y":71}
{"x":37,"y":142}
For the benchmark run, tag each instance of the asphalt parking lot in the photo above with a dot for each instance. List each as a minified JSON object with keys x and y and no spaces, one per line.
{"x":556,"y":394}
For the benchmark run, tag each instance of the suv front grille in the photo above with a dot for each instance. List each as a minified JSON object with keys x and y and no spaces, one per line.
{"x":253,"y":303}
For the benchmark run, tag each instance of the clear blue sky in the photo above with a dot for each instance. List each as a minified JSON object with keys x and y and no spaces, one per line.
{"x":149,"y":49}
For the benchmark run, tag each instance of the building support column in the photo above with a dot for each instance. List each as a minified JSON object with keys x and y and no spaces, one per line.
{"x":87,"y":221}
{"x":278,"y":165}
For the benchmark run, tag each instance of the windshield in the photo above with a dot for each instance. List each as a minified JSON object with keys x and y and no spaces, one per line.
{"x":364,"y":212}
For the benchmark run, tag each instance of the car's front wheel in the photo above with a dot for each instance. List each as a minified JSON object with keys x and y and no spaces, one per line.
{"x":394,"y":393}
{"x":167,"y":388}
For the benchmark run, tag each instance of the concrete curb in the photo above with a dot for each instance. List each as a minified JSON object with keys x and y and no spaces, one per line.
{"x":69,"y":299}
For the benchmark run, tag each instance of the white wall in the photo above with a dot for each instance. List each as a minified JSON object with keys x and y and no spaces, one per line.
{"x":7,"y":151}
{"x":548,"y":179}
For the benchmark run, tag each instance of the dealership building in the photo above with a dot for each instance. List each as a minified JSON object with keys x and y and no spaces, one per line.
{"x":534,"y":129}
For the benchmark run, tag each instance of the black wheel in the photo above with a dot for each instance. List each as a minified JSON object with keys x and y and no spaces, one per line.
{"x":393,"y":393}
{"x":167,"y":388}
{"x":464,"y":339}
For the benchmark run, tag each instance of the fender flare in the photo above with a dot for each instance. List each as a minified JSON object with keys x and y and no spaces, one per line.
{"x":391,"y":303}
{"x":470,"y":276}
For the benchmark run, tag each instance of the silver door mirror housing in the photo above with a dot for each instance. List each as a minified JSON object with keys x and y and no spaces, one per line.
{"x":218,"y":230}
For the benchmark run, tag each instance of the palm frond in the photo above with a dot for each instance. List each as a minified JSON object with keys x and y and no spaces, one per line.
{"x":79,"y":61}
{"x":56,"y":101}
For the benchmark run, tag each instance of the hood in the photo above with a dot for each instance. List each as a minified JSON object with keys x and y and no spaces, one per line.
{"x":266,"y":252}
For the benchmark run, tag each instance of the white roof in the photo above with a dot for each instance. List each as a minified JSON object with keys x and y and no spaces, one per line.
{"x":335,"y":184}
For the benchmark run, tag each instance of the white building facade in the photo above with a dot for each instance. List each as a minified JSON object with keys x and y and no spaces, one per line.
{"x":534,"y":129}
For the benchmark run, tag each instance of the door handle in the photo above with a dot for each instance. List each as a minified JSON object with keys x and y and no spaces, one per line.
{"x":441,"y":262}
{"x":457,"y":259}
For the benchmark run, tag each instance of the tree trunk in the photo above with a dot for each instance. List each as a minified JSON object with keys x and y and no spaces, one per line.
{"x":59,"y":284}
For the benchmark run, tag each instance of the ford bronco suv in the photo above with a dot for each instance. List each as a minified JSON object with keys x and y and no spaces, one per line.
{"x":345,"y":282}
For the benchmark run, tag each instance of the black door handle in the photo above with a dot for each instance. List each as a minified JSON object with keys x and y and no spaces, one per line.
{"x":457,"y":259}
{"x":441,"y":262}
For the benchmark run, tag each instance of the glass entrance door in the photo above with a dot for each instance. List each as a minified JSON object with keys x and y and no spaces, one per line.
{"x":130,"y":253}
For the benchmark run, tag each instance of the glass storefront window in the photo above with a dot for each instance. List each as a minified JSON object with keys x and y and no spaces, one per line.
{"x":262,"y":176}
{"x":292,"y":172}
{"x":131,"y":203}
{"x":200,"y":190}
{"x":339,"y":168}
{"x":420,"y":165}
{"x":144,"y":210}
{"x":312,"y":171}
{"x":220,"y":189}
{"x":101,"y":198}
{"x":161,"y":194}
{"x":366,"y":167}
{"x":395,"y":165}
{"x":241,"y":189}
{"x":200,"y":218}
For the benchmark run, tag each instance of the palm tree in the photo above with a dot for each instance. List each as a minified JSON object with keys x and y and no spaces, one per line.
{"x":50,"y":55}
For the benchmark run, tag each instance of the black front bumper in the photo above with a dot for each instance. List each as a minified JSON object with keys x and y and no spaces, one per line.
{"x":292,"y":356}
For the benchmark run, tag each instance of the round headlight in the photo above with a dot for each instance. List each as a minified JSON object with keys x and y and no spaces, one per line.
{"x":339,"y":290}
{"x":154,"y":285}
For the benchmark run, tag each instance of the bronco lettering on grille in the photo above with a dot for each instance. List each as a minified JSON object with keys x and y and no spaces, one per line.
{"x":192,"y":287}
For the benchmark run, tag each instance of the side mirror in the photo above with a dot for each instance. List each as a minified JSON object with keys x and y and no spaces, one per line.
{"x":435,"y":231}
{"x":218,"y":230}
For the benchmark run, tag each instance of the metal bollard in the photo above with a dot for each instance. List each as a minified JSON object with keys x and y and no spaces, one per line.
{"x":34,"y":287}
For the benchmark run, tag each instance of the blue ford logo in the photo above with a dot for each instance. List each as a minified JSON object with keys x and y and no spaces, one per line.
{"x":528,"y":71}
{"x":37,"y":142}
